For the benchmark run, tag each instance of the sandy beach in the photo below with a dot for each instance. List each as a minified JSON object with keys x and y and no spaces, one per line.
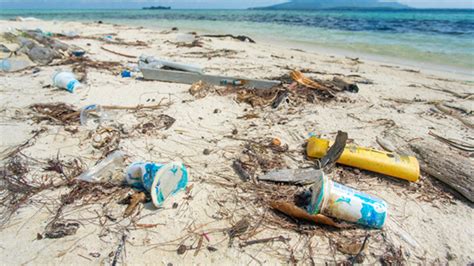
{"x":428,"y":222}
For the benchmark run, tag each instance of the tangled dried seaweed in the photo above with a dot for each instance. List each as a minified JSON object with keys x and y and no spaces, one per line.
{"x":81,"y":64}
{"x":116,"y":41}
{"x":227,"y":53}
{"x":16,"y":188}
{"x":201,"y":89}
{"x":155,"y":123}
{"x":82,"y":193}
{"x":55,"y":113}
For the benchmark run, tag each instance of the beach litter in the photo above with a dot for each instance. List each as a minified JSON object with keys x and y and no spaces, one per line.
{"x":92,"y":116}
{"x":335,"y":200}
{"x":391,"y":164}
{"x":159,"y":180}
{"x":67,"y":81}
{"x":106,"y":169}
{"x":153,"y":69}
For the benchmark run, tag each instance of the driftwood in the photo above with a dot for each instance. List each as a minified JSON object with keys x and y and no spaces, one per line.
{"x":241,"y":38}
{"x":449,"y":167}
{"x":440,"y":162}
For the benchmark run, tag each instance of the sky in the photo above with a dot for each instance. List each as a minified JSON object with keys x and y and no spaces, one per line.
{"x":198,"y":3}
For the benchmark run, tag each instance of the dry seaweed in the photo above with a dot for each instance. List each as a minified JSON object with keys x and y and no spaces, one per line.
{"x":117,"y":41}
{"x":201,"y":89}
{"x":237,"y":230}
{"x":81,"y":64}
{"x":55,"y":113}
{"x":156,"y":123}
{"x":16,"y":189}
{"x":61,"y":229}
{"x":241,"y":38}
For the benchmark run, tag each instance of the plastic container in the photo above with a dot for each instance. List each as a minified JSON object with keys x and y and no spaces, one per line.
{"x":338,"y":201}
{"x":160,"y":180}
{"x":92,"y":116}
{"x":105,"y":168}
{"x":66,"y":80}
{"x":391,"y":164}
{"x":12,"y":64}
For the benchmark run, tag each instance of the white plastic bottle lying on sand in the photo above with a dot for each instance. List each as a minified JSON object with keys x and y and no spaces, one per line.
{"x":66,"y":80}
{"x":160,"y":180}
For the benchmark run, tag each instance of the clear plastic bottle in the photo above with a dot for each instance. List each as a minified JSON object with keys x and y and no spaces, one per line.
{"x":66,"y":80}
{"x":105,"y":168}
{"x":13,"y":64}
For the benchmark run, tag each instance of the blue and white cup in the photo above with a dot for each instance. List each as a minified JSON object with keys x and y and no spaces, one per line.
{"x":338,"y":201}
{"x":160,"y":180}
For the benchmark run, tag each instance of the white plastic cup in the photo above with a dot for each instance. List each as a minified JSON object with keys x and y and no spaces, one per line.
{"x":160,"y":180}
{"x":338,"y":201}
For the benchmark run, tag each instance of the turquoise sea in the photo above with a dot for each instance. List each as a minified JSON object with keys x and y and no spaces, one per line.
{"x":439,"y":37}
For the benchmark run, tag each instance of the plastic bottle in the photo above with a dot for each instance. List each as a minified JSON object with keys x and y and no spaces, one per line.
{"x":66,"y":80}
{"x":12,"y":64}
{"x":392,"y":164}
{"x":104,"y":168}
{"x":160,"y":180}
{"x":338,"y":201}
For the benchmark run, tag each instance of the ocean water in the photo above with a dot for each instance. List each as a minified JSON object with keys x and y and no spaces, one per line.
{"x":439,"y":37}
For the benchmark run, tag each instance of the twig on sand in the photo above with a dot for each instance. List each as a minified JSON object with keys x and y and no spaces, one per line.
{"x":454,"y":143}
{"x":440,"y":106}
{"x":9,"y":152}
{"x":117,"y":53}
{"x":264,"y":240}
{"x":356,"y":257}
{"x":118,"y":251}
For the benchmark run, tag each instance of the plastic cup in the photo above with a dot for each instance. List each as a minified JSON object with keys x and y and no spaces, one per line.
{"x":92,"y":116}
{"x":338,"y":201}
{"x":160,"y":180}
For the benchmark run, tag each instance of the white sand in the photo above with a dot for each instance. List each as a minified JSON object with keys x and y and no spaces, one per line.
{"x":438,"y":230}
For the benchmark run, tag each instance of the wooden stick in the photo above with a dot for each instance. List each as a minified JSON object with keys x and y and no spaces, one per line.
{"x":117,"y":53}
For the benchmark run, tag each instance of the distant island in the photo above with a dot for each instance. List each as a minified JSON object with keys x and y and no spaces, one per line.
{"x":335,"y":4}
{"x":157,"y":8}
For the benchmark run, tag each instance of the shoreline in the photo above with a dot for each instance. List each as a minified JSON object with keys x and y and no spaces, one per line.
{"x":285,"y":42}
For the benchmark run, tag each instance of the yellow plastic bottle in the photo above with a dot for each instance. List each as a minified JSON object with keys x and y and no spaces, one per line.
{"x":391,"y":164}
